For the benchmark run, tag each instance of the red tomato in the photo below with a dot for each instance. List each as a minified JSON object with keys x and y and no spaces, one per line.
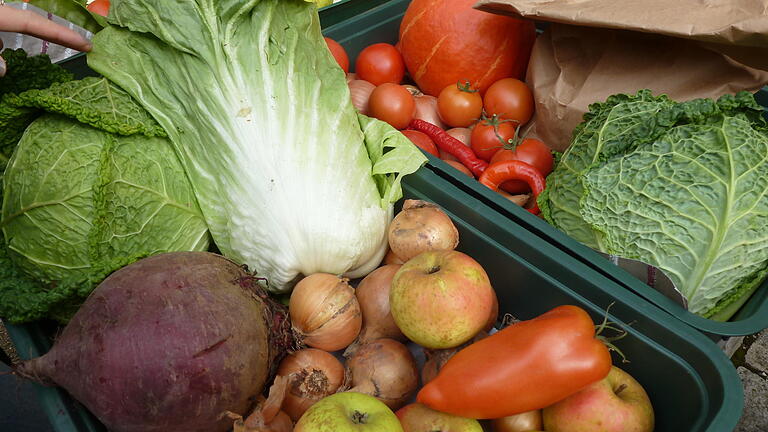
{"x":489,"y":136}
{"x":380,"y":63}
{"x":99,"y":7}
{"x":393,"y":104}
{"x":339,"y":53}
{"x":422,"y":141}
{"x":459,"y":105}
{"x":531,"y":151}
{"x":510,"y":99}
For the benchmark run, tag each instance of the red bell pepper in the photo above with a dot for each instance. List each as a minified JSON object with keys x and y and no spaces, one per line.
{"x":526,"y":366}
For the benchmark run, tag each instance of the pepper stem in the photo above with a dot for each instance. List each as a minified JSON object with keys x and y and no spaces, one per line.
{"x":608,"y":340}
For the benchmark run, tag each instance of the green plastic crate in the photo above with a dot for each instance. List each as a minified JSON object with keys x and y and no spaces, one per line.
{"x":381,"y":24}
{"x":691,"y":383}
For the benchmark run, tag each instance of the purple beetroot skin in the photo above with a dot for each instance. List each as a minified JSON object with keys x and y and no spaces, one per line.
{"x":168,"y":344}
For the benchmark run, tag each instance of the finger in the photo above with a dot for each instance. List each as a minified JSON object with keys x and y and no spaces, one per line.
{"x":30,"y":23}
{"x":2,"y":67}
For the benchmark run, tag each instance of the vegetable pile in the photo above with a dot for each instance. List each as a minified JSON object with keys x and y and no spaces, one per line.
{"x":482,"y":103}
{"x":675,"y":185}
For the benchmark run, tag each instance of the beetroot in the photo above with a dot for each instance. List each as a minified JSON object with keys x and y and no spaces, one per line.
{"x":169,"y":343}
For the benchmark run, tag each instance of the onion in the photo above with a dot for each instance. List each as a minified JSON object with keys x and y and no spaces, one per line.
{"x":426,"y":107}
{"x":386,"y":370}
{"x":324,"y":312}
{"x":523,"y":422}
{"x":520,"y":200}
{"x":419,"y":227}
{"x":360,"y":92}
{"x":267,"y":416}
{"x":436,"y":358}
{"x":351,"y":76}
{"x":312,"y":375}
{"x":391,"y":258}
{"x":373,"y":296}
{"x":462,"y":134}
{"x":459,"y":166}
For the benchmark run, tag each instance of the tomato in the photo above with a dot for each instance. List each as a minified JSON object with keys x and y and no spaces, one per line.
{"x":489,"y":136}
{"x":99,"y":7}
{"x":531,"y":151}
{"x":380,"y":63}
{"x":339,"y":53}
{"x":510,"y":99}
{"x":526,"y":366}
{"x":393,"y":104}
{"x":422,"y":141}
{"x":459,"y":105}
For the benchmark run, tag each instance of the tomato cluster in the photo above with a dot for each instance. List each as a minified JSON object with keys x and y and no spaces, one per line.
{"x":488,"y":122}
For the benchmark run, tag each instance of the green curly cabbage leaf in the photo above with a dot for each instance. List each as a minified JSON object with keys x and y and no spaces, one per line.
{"x":92,"y":186}
{"x":680,"y":186}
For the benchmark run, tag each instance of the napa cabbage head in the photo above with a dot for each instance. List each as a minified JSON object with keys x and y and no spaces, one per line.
{"x":290,"y":178}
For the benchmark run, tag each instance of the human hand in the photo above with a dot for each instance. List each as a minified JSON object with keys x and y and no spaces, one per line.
{"x":27,"y":22}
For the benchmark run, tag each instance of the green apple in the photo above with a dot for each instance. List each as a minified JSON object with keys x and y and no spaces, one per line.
{"x":348,"y":412}
{"x":617,"y":403}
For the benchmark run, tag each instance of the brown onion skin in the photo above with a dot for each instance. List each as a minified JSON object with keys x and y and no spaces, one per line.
{"x":391,"y":258}
{"x":312,"y":374}
{"x":436,"y":358}
{"x":373,"y":296}
{"x":523,"y":422}
{"x":324,"y":312}
{"x":386,"y":370}
{"x":421,"y":226}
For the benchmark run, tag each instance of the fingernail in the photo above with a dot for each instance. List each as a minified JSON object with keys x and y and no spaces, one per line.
{"x":2,"y":67}
{"x":88,"y":47}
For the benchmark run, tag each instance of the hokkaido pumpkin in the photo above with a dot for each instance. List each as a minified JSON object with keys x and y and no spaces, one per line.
{"x":444,"y":41}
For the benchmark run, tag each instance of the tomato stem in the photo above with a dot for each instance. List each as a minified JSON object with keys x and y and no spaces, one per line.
{"x":465,"y":86}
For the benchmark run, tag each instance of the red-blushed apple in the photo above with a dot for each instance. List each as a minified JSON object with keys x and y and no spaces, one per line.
{"x":617,"y":403}
{"x":421,"y":418}
{"x":441,"y":299}
{"x":529,"y":421}
{"x":348,"y":412}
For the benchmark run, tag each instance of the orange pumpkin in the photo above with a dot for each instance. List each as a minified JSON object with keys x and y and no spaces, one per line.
{"x":444,"y":41}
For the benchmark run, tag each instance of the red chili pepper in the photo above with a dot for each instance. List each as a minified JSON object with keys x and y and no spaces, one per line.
{"x":499,"y":172}
{"x":524,"y":367}
{"x":451,"y":145}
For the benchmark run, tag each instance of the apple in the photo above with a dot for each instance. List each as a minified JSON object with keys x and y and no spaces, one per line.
{"x":417,"y":417}
{"x":441,"y":298}
{"x":617,"y":403}
{"x":348,"y":412}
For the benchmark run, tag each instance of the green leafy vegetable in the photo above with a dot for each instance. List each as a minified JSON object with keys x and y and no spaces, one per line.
{"x":290,"y":180}
{"x":680,"y":186}
{"x":73,"y":11}
{"x":92,"y":186}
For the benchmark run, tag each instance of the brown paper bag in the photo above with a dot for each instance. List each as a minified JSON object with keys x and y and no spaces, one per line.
{"x":595,"y":48}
